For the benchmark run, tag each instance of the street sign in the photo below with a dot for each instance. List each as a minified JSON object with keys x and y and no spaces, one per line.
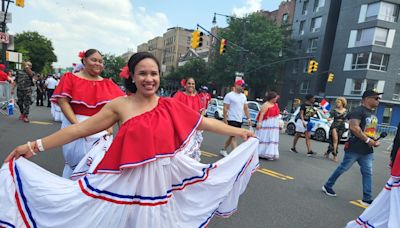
{"x":15,"y":57}
{"x":4,"y":38}
{"x":8,"y":19}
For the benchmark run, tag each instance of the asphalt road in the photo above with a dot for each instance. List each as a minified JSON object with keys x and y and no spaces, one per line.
{"x":283,"y":193}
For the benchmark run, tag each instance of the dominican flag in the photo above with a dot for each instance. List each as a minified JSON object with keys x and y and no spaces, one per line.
{"x":325,"y":105}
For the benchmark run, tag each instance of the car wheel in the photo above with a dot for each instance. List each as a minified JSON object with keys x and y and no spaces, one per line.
{"x":291,"y":129}
{"x":216,"y":116}
{"x":320,"y":135}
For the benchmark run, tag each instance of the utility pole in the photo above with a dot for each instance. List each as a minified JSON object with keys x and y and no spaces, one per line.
{"x":4,"y":10}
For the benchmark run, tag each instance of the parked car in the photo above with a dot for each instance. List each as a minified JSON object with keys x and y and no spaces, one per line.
{"x":254,"y":109}
{"x":215,"y":108}
{"x":320,"y":130}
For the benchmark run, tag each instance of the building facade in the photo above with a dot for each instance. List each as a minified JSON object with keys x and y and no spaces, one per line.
{"x":155,"y":47}
{"x":313,"y":31}
{"x":284,"y":14}
{"x":366,"y":55}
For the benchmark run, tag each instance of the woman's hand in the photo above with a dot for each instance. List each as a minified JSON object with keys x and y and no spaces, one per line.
{"x":246,"y":134}
{"x":110,"y":131}
{"x":22,"y":150}
{"x":258,"y":127}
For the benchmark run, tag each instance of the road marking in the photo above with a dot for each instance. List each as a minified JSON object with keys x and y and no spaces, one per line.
{"x":358,"y":203}
{"x":208,"y":154}
{"x":40,"y":122}
{"x":274,"y":174}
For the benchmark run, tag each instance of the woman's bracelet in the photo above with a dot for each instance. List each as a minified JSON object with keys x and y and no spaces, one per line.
{"x":30,"y":148}
{"x":39,"y":144}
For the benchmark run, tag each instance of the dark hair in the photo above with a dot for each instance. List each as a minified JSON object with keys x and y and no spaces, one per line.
{"x":309,"y":96}
{"x":133,"y":61}
{"x":271,"y":95}
{"x":89,"y":53}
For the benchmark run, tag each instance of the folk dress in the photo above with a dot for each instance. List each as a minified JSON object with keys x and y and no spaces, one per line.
{"x":142,"y":180}
{"x":268,"y":134}
{"x":384,"y":212}
{"x":196,"y":103}
{"x":87,"y":97}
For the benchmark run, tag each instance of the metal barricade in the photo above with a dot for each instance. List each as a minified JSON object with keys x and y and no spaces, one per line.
{"x":390,"y":130}
{"x":5,"y":96}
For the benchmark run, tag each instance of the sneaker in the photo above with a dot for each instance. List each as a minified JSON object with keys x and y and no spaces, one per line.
{"x":311,"y":153}
{"x":25,"y":119}
{"x":293,"y":150}
{"x":328,"y":191}
{"x":366,"y":202}
{"x":223,"y":153}
{"x":21,"y":116}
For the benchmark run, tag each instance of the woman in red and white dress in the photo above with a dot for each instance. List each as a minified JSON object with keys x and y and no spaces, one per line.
{"x":193,"y":100}
{"x":143,"y":180}
{"x":80,"y":96}
{"x":268,"y":126}
{"x":384,"y":212}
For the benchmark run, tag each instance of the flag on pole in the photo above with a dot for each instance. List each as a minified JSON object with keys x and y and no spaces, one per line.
{"x":325,"y":106}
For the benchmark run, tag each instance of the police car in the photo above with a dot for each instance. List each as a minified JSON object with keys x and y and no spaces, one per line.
{"x":215,"y":108}
{"x":321,"y":126}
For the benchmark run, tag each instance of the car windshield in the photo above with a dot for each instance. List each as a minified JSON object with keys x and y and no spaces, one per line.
{"x":220,"y":102}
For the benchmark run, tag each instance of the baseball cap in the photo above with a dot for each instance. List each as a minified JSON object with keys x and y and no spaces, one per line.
{"x":309,"y":96}
{"x":370,"y":93}
{"x":239,"y":82}
{"x":204,"y":88}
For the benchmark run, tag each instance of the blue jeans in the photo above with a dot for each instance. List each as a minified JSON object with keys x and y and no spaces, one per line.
{"x":365,"y":163}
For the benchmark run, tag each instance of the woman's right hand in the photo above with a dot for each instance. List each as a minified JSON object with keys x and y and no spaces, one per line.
{"x":258,"y":127}
{"x":246,"y":134}
{"x":21,"y":150}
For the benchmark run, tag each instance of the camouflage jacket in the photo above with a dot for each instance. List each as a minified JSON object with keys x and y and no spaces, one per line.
{"x":23,"y":80}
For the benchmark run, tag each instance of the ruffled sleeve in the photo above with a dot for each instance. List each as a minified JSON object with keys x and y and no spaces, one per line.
{"x":193,"y":102}
{"x":156,"y":134}
{"x":64,"y":87}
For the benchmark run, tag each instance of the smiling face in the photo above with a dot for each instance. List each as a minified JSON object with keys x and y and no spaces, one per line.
{"x":94,"y":64}
{"x":190,"y":85}
{"x":147,"y":77}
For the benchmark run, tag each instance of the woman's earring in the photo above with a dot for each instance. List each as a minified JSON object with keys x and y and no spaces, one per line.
{"x":133,"y":81}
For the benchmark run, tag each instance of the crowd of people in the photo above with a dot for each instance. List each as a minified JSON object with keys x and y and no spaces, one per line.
{"x":155,"y":157}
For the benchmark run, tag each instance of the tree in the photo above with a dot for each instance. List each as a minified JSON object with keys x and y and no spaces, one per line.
{"x":36,"y":48}
{"x":112,"y":67}
{"x":253,"y":43}
{"x":196,"y":68}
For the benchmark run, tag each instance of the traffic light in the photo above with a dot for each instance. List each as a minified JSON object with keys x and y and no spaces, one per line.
{"x":197,"y":39}
{"x":20,"y":3}
{"x":222,"y":46}
{"x":312,"y":66}
{"x":330,"y":77}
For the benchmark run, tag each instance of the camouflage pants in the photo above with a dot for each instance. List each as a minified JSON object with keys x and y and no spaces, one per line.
{"x":24,"y":101}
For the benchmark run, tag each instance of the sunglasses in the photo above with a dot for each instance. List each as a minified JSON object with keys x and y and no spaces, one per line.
{"x":376,"y":98}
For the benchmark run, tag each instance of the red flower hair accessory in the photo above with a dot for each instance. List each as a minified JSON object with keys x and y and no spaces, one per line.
{"x":183,"y":82}
{"x":81,"y":54}
{"x":124,"y":72}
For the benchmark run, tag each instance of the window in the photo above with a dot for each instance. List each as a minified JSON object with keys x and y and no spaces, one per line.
{"x":380,"y":37}
{"x":305,"y":87}
{"x":299,"y":44}
{"x":357,"y":87}
{"x":379,"y":61}
{"x":316,"y":24}
{"x":382,"y":11}
{"x":252,"y":106}
{"x":396,"y":92}
{"x":372,"y":60}
{"x":387,"y":113}
{"x":371,"y":36}
{"x":312,"y":45}
{"x":295,"y":66}
{"x":301,"y":29}
{"x":318,"y":4}
{"x":371,"y":85}
{"x":304,"y":10}
{"x":360,"y":61}
{"x":285,"y":18}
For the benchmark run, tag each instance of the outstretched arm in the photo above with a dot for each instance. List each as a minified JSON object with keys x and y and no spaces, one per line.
{"x":102,"y":120}
{"x":218,"y":127}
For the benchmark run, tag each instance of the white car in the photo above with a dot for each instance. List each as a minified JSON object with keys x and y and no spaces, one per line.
{"x":320,"y":130}
{"x":215,"y":108}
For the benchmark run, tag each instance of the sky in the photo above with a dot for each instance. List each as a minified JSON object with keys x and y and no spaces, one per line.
{"x":116,"y":26}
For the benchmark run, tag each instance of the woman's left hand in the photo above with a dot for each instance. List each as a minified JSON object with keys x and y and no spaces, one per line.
{"x":246,"y":134}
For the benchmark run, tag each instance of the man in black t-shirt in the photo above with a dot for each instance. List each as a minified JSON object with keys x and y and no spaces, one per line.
{"x":360,"y":146}
{"x":304,"y":125}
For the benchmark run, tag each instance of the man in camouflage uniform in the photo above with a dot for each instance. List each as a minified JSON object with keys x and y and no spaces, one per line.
{"x":24,"y":90}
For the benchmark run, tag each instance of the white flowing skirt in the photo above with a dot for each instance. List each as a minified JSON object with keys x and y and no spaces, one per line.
{"x":169,"y":192}
{"x":195,"y":152}
{"x":269,"y":138}
{"x":384,"y":212}
{"x":75,"y":151}
{"x":56,"y":112}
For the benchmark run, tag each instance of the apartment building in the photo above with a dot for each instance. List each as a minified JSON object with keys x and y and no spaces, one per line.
{"x":366,"y":55}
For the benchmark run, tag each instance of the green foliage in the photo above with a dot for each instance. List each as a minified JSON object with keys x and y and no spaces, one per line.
{"x":196,"y":68}
{"x":112,"y":67}
{"x":36,"y":48}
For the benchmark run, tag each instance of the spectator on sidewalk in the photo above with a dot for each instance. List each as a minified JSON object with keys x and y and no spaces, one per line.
{"x":24,"y":82}
{"x":40,"y":90}
{"x":51,"y":84}
{"x":304,"y":125}
{"x":360,"y":146}
{"x":235,"y":103}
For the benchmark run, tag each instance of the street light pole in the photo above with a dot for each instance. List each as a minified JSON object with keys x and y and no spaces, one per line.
{"x":4,"y":9}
